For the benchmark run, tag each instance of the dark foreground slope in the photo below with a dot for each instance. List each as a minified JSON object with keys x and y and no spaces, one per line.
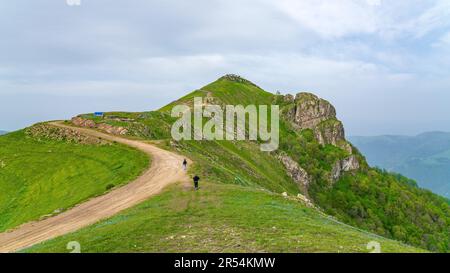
{"x":314,"y":159}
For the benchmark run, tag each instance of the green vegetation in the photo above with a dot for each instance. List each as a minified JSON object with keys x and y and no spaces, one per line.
{"x":240,"y":163}
{"x":240,"y":208}
{"x":224,"y":91}
{"x":387,"y":204}
{"x":220,"y":218}
{"x":316,"y":159}
{"x":41,"y":176}
{"x":148,"y":125}
{"x":390,"y":206}
{"x":425,"y":158}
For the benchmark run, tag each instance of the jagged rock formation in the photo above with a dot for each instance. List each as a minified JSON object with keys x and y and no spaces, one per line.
{"x":307,"y":111}
{"x":311,"y":112}
{"x":330,"y":131}
{"x":81,"y":122}
{"x":346,"y":165}
{"x":297,"y":173}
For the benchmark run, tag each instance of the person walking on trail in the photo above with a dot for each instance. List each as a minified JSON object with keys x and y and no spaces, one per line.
{"x":185,"y":164}
{"x":196,"y":179}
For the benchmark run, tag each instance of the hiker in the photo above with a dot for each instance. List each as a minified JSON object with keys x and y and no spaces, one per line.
{"x":196,"y":179}
{"x":184,"y":164}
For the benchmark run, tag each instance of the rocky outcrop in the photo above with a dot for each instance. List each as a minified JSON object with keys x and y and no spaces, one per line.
{"x":330,"y":132}
{"x":81,"y":122}
{"x":110,"y":129}
{"x":307,"y":111}
{"x":237,"y":78}
{"x":288,"y":98}
{"x":46,"y":131}
{"x":293,"y":169}
{"x":348,"y":164}
{"x":311,"y":112}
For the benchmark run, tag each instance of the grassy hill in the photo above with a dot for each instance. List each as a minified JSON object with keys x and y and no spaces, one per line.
{"x":220,"y":218}
{"x":230,"y":89}
{"x":42,"y":175}
{"x":386,"y":204}
{"x":425,"y":158}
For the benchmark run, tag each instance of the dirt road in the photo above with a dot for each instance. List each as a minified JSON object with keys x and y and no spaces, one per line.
{"x":165,"y":169}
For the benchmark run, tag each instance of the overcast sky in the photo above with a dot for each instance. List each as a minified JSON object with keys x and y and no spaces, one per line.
{"x":384,"y":64}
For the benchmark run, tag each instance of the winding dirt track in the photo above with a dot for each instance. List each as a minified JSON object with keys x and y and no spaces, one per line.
{"x":165,"y":170}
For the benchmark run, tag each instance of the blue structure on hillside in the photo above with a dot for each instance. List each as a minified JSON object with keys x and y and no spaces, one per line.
{"x":99,"y":114}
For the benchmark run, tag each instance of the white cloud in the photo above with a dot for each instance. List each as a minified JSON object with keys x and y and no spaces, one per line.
{"x":332,"y":19}
{"x":437,"y":16}
{"x":358,"y":53}
{"x":387,"y":19}
{"x":418,"y":24}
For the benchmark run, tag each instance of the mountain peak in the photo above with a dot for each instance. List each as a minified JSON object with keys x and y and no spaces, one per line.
{"x":236,"y":78}
{"x":230,"y":89}
{"x":233,"y":77}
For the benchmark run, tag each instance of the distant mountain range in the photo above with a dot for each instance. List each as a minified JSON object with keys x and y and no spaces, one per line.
{"x":425,"y":157}
{"x":3,"y":132}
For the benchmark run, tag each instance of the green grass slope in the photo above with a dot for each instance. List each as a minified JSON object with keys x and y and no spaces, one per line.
{"x":220,"y":218}
{"x":239,"y":163}
{"x":39,"y":176}
{"x":379,"y":202}
{"x":229,"y":90}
